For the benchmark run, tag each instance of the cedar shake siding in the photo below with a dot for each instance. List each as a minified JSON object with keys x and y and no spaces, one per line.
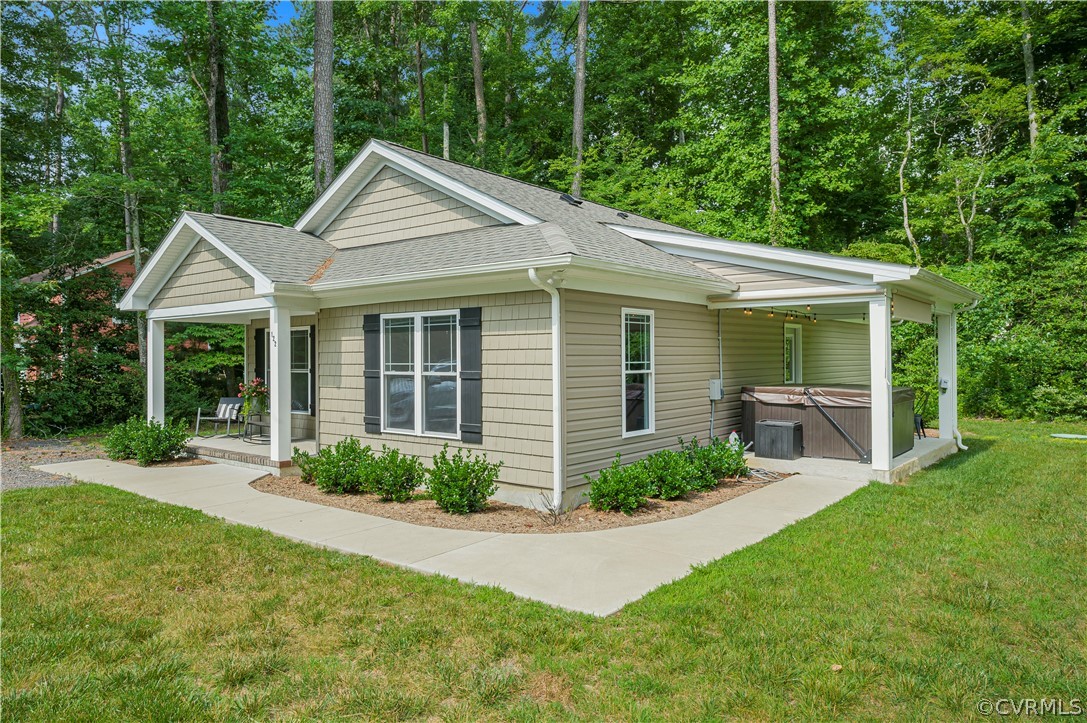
{"x":685,"y":340}
{"x":394,"y":207}
{"x":516,"y":346}
{"x":205,"y":276}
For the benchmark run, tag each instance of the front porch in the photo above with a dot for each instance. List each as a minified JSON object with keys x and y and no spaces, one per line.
{"x":246,"y":453}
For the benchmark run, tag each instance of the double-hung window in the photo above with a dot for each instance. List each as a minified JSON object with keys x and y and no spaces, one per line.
{"x":638,"y":372}
{"x":420,"y":362}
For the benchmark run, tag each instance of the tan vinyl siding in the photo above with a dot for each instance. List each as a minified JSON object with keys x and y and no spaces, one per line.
{"x":685,"y":359}
{"x":836,"y":352}
{"x":205,"y":276}
{"x":516,"y":337}
{"x":394,"y":206}
{"x":303,"y":426}
{"x":754,"y":279}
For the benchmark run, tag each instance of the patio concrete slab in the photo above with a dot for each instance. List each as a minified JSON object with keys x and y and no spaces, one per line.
{"x":593,"y":572}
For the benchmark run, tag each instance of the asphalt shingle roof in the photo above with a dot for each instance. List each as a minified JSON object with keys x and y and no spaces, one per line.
{"x":285,"y":254}
{"x":279,"y":252}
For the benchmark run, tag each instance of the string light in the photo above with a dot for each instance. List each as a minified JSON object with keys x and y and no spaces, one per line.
{"x":809,"y":307}
{"x":771,"y":313}
{"x":813,"y":318}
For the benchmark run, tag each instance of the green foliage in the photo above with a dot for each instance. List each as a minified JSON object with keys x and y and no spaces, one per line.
{"x":717,"y":460}
{"x":147,"y":442}
{"x":619,"y":487}
{"x":461,"y":483}
{"x":343,"y":468}
{"x":396,"y":475}
{"x":671,"y":474}
{"x":306,"y":463}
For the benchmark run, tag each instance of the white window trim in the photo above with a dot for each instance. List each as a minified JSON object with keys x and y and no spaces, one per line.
{"x":312,"y":365}
{"x":651,"y":398}
{"x":417,"y":373}
{"x":798,"y":353}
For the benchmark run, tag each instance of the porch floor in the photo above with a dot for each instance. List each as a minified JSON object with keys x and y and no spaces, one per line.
{"x":926,"y":451}
{"x":243,"y":453}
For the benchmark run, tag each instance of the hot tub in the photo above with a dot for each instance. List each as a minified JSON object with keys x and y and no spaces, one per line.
{"x":850,"y":406}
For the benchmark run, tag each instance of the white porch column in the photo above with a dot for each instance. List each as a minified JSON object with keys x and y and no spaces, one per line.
{"x":879,"y":334}
{"x":279,"y":382}
{"x":947,"y":353}
{"x":156,"y":370}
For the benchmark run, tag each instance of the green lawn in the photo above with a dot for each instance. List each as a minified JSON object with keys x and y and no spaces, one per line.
{"x":968,"y":582}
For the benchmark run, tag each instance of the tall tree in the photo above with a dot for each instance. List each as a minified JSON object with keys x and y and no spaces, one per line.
{"x":324,"y":159}
{"x":1028,"y":67}
{"x":420,"y":85}
{"x":477,"y":78}
{"x":775,"y":154}
{"x":218,"y":108}
{"x":579,"y":93}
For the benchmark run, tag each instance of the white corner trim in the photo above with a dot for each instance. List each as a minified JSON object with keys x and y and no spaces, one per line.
{"x":321,"y":213}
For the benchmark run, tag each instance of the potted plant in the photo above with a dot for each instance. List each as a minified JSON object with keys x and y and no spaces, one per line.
{"x":253,"y":394}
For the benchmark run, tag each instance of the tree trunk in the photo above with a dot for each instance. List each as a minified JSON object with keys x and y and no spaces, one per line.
{"x":217,"y":112}
{"x":419,"y":76}
{"x":902,"y":183}
{"x":14,"y":400}
{"x":58,"y":169}
{"x":477,"y":76}
{"x":775,"y":156}
{"x":1028,"y":65}
{"x":579,"y":93}
{"x":968,"y":221}
{"x":324,"y":160}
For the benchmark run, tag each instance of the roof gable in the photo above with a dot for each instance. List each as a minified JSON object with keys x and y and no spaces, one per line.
{"x":394,"y":206}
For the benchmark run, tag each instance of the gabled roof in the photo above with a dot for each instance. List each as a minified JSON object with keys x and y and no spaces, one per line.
{"x":100,"y":263}
{"x":280,"y":253}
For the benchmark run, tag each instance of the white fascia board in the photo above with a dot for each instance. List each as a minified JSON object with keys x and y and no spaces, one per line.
{"x":758,"y":254}
{"x":321,"y":213}
{"x":129,"y":301}
{"x":204,"y":310}
{"x":797,"y":301}
{"x":261,"y":283}
{"x":810,"y":292}
{"x":947,"y":288}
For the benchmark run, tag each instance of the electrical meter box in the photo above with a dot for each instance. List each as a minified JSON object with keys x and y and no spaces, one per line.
{"x":717,"y":390}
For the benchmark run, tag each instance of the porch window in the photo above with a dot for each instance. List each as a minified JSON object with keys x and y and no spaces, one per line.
{"x":638,"y":372}
{"x":420,"y":363}
{"x":794,"y":373}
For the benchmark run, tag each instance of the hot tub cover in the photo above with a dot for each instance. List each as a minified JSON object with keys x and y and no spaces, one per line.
{"x":846,"y":395}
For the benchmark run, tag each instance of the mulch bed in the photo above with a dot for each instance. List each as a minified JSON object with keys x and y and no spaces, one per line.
{"x":503,"y":517}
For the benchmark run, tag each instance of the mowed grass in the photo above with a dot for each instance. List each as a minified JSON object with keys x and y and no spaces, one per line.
{"x":968,"y":582}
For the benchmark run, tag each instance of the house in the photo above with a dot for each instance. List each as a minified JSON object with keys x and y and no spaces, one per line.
{"x":420,"y":302}
{"x":119,"y":262}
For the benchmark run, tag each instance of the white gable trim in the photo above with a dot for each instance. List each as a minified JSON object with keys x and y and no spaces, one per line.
{"x":169,"y":255}
{"x":371,"y":159}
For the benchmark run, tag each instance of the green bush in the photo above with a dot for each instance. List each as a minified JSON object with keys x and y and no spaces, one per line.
{"x":620,"y":488}
{"x":462,"y":483}
{"x":395,"y":476}
{"x":717,"y":460}
{"x":671,"y":474}
{"x":306,"y":464}
{"x":343,"y":468}
{"x":146,"y":442}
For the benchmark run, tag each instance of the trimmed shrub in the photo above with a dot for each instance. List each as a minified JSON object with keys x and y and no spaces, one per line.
{"x":343,"y":468}
{"x":147,"y":442}
{"x":717,"y":459}
{"x":671,"y":474}
{"x":306,"y":464}
{"x":620,"y":488}
{"x":395,"y":476}
{"x":120,"y":443}
{"x":462,"y":483}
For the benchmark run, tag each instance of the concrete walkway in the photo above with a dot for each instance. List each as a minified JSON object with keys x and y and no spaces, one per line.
{"x":591,"y":572}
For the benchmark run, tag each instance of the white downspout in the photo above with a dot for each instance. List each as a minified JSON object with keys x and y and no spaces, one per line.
{"x":556,"y":385}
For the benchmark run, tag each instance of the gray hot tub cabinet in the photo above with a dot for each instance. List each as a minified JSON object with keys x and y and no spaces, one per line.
{"x":850,"y":406}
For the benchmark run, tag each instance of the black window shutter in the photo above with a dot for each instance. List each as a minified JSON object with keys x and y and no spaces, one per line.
{"x":471,"y":374}
{"x":260,"y":365}
{"x":371,"y":358}
{"x":313,"y":371}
